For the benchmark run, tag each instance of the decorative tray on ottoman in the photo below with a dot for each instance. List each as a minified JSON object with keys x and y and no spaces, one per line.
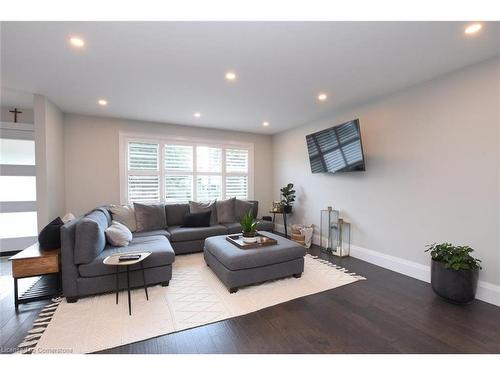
{"x":237,"y":239}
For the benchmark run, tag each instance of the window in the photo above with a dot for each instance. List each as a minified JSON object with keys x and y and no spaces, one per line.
{"x":176,"y":171}
{"x":18,"y":216}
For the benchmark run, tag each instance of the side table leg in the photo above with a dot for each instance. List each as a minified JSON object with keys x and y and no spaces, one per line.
{"x":16,"y":299}
{"x":117,"y":285}
{"x":128,"y":291}
{"x":284,"y":222}
{"x":274,"y":218}
{"x":144,"y":281}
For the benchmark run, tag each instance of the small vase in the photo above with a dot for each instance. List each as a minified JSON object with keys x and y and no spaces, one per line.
{"x":249,"y":238}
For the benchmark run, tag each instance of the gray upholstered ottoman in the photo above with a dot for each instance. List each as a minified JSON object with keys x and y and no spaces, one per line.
{"x":237,"y":267}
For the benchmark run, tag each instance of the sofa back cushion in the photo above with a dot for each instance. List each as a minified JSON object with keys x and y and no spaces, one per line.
{"x":242,"y":207}
{"x":225,"y":211}
{"x":176,"y":212}
{"x":90,"y":239}
{"x":150,"y":216}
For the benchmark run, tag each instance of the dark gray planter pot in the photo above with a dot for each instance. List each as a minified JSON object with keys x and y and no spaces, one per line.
{"x":454,"y":286}
{"x":287,"y":209}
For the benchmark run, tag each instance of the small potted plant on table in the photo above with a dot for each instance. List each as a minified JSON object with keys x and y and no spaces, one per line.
{"x":288,"y":195}
{"x":454,"y":272}
{"x":249,"y":228}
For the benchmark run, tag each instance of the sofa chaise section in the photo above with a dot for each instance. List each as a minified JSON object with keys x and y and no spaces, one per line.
{"x":82,"y":252}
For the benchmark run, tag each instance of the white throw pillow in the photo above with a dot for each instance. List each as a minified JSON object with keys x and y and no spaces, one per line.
{"x":118,"y":234}
{"x":68,"y":217}
{"x":125,"y":215}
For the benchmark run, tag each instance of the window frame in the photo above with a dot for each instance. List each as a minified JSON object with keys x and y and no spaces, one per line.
{"x":126,"y":138}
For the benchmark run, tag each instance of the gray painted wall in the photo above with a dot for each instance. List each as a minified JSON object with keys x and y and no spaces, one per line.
{"x":432,"y":160}
{"x":92,"y":157}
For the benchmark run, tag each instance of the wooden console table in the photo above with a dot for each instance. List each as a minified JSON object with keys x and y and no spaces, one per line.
{"x":32,"y":262}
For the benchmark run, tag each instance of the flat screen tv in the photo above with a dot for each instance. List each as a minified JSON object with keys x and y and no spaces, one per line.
{"x":336,"y":149}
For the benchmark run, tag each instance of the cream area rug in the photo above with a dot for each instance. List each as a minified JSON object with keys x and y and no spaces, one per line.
{"x":194,"y":297}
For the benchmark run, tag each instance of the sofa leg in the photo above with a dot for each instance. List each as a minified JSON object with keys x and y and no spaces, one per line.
{"x":297,"y":275}
{"x":233,"y":290}
{"x":165,"y":283}
{"x":71,"y":299}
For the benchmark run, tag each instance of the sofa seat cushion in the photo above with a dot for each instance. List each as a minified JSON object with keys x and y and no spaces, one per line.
{"x":162,"y":254}
{"x":149,"y":233}
{"x":233,"y":228}
{"x":192,"y":234}
{"x":234,"y":258}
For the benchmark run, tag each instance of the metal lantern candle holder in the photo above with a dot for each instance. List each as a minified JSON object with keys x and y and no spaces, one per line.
{"x":335,"y":233}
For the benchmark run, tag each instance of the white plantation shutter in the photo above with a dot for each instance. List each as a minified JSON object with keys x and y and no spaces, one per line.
{"x":179,"y":158}
{"x":208,"y":188}
{"x":237,"y":186}
{"x":143,"y":188}
{"x":236,"y":161}
{"x":208,"y":159}
{"x":178,"y":171}
{"x":142,"y":156}
{"x":143,"y":174}
{"x":178,"y":188}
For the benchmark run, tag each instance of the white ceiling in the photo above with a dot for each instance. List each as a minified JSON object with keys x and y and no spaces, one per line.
{"x":166,"y":71}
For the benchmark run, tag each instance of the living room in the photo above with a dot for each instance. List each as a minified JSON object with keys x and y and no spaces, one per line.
{"x":253,"y":187}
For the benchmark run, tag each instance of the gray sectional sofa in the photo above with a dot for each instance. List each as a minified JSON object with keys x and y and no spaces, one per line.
{"x":84,"y":247}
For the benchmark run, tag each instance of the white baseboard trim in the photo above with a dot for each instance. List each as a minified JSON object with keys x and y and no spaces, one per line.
{"x":486,"y":292}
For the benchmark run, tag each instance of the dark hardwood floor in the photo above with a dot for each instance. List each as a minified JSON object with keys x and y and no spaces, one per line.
{"x":14,"y":326}
{"x":388,"y":313}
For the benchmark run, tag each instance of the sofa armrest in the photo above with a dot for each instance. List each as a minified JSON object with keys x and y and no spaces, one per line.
{"x":68,"y":268}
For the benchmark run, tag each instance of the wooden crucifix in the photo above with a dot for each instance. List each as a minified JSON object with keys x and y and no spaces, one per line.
{"x":15,"y":112}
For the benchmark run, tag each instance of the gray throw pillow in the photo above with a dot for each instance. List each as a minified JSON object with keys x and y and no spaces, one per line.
{"x":241,"y":208}
{"x":225,"y":211}
{"x":124,"y":214}
{"x":195,"y":207}
{"x":150,"y":216}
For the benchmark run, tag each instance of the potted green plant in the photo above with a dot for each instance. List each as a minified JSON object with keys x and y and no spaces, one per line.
{"x":454,"y":272}
{"x":249,"y":227}
{"x":288,"y":197}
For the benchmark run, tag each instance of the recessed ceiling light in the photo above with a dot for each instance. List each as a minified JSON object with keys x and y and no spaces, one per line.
{"x":76,"y":42}
{"x":322,"y":97}
{"x":197,"y":114}
{"x":473,"y":28}
{"x":102,"y":102}
{"x":231,"y":76}
{"x":265,"y":123}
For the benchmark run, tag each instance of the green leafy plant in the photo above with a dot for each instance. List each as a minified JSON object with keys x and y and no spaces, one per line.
{"x":454,"y":257}
{"x":248,"y":224}
{"x":288,"y":195}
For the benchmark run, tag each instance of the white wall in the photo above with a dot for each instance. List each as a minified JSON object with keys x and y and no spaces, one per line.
{"x":92,"y":157}
{"x":49,"y":153}
{"x":432,"y":169}
{"x":26,"y":117}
